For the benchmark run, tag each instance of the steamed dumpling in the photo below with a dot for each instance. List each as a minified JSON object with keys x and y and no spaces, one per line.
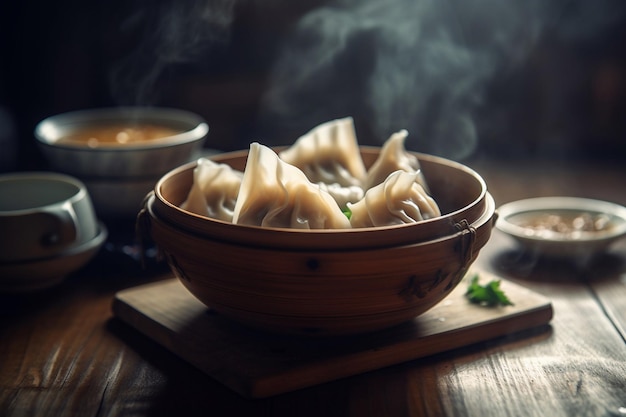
{"x":400,"y":199}
{"x":329,"y":153}
{"x":214,"y":190}
{"x":343,"y":195}
{"x":274,"y":193}
{"x":393,"y":157}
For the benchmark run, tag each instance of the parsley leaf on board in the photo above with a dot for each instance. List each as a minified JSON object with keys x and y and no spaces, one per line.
{"x":489,"y":294}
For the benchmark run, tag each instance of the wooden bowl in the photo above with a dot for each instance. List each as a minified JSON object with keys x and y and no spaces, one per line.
{"x":323,"y":282}
{"x":458,"y":190}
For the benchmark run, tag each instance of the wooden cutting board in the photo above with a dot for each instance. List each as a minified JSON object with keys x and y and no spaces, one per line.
{"x":257,"y":364}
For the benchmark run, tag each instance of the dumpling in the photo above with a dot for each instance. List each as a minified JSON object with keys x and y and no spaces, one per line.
{"x":214,"y":190}
{"x":393,"y":156}
{"x":329,"y":153}
{"x":274,"y":193}
{"x":400,"y":199}
{"x":343,"y":195}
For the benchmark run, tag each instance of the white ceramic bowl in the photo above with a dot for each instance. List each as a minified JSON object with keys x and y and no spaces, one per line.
{"x":118,"y":176}
{"x":42,"y":273}
{"x":563,"y":226}
{"x":119,"y":198}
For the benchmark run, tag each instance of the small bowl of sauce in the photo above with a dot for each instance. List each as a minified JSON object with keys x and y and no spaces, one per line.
{"x":563,"y":226}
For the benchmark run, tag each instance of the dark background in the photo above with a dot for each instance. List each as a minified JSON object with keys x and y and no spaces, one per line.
{"x":565,"y":97}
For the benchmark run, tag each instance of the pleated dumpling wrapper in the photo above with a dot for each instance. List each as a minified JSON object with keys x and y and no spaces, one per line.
{"x":274,"y":193}
{"x":393,"y":157}
{"x":400,"y":199}
{"x":329,"y":153}
{"x":214,"y":190}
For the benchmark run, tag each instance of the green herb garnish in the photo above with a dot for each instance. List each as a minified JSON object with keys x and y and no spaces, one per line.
{"x":347,"y":212}
{"x":488,"y":295}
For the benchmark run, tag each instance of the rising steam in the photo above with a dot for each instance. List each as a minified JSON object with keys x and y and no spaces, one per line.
{"x":420,"y":65}
{"x":173,"y":32}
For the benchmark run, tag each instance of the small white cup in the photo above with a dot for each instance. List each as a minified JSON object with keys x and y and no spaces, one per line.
{"x":42,"y":214}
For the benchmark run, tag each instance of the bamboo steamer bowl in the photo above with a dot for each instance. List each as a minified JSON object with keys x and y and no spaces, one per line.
{"x":323,"y":282}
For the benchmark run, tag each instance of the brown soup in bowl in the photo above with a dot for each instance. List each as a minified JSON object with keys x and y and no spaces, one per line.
{"x":116,"y":135}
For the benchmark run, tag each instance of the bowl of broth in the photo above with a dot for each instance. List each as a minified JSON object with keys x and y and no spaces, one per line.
{"x":120,"y":153}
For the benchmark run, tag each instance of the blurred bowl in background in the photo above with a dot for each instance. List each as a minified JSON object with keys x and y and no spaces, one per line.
{"x":41,"y":273}
{"x":120,"y":153}
{"x":119,"y":198}
{"x":563,"y":226}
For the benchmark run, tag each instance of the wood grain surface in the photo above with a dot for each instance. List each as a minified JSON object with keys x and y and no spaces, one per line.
{"x":62,"y":352}
{"x":258,"y":364}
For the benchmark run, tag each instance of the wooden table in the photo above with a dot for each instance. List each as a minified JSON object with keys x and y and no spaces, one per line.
{"x":62,"y":353}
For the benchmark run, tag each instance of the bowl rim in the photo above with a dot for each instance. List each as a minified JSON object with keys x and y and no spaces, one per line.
{"x":564,"y":203}
{"x":421,"y":156}
{"x":45,"y":176}
{"x":46,"y":130}
{"x":477,"y":226}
